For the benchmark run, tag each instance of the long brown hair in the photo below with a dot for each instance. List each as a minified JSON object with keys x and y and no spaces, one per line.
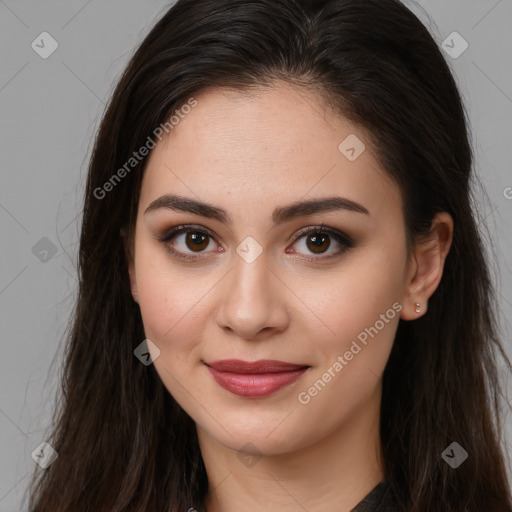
{"x":123,"y":442}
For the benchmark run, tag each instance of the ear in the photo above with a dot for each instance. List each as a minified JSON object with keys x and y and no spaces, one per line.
{"x":426,"y":266}
{"x":128,"y":251}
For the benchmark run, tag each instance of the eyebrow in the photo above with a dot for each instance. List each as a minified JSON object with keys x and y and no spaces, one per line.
{"x":280,"y":214}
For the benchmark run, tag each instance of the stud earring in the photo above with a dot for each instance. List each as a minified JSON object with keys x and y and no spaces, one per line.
{"x":417,"y":307}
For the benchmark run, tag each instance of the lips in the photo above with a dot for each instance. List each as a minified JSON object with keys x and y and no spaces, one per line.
{"x":254,"y":379}
{"x":262,"y":366}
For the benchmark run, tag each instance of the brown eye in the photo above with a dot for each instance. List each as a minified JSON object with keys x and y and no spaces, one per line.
{"x":318,"y":240}
{"x":187,"y":242}
{"x":196,"y":240}
{"x":318,"y":243}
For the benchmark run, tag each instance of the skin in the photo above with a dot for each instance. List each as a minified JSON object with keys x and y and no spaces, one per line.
{"x":248,"y":153}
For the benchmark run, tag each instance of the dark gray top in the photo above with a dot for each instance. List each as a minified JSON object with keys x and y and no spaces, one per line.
{"x":380,"y":499}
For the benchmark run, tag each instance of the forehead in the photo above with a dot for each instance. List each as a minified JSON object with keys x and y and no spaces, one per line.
{"x":265,"y":145}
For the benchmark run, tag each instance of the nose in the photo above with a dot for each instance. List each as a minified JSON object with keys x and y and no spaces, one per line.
{"x":253,"y":300}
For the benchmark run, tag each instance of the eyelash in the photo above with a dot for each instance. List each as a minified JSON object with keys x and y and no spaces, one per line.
{"x":341,"y":238}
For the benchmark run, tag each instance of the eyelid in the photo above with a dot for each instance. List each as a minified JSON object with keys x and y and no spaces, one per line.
{"x":322,"y":228}
{"x":183,"y":228}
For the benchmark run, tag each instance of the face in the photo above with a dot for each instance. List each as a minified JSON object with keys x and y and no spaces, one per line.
{"x":251,"y":275}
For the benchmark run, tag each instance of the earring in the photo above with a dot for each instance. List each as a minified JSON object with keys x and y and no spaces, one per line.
{"x":417,"y":307}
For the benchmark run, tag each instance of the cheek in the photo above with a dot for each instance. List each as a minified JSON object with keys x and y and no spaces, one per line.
{"x":169,"y":305}
{"x":363,"y":311}
{"x":350,"y":299}
{"x":170,"y":310}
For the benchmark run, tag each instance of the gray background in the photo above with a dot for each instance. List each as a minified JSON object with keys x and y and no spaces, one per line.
{"x":50,"y":109}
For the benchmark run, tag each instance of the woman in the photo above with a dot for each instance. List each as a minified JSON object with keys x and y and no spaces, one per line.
{"x":284,"y":301}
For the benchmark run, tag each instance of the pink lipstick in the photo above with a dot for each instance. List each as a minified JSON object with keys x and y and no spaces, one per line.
{"x":254,"y":379}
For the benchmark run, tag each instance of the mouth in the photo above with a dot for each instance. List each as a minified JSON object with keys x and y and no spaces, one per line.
{"x":254,"y":379}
